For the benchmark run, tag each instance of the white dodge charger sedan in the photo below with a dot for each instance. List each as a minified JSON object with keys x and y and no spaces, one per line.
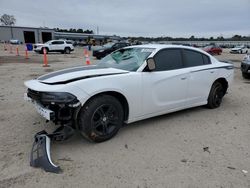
{"x":130,"y":84}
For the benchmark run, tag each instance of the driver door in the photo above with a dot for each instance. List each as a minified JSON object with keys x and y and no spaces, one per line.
{"x":165,"y":88}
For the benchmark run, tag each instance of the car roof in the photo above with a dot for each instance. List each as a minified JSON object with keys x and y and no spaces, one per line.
{"x":162,"y":46}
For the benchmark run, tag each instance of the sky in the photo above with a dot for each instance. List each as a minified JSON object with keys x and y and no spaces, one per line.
{"x":148,"y":18}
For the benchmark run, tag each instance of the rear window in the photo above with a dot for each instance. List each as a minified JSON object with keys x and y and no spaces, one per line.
{"x":57,"y":42}
{"x":68,"y":42}
{"x":206,"y":59}
{"x":194,"y":58}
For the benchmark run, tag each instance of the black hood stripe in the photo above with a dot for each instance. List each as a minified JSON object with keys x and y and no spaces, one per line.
{"x":82,"y":78}
{"x":77,"y":69}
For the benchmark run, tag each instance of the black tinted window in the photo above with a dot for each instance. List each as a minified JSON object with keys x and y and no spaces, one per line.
{"x":206,"y":59}
{"x":192,"y":58}
{"x":168,"y":59}
{"x":68,"y":42}
{"x":57,"y":42}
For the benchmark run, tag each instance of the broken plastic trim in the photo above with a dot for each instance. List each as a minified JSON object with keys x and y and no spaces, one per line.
{"x":40,"y":153}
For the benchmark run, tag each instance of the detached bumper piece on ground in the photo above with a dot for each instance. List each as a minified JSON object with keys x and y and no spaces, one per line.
{"x":40,"y":153}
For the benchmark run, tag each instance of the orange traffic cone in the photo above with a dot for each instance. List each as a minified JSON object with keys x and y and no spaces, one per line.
{"x":5,"y":47}
{"x":26,"y":53}
{"x":45,"y":60}
{"x":17,"y":51}
{"x":86,"y":54}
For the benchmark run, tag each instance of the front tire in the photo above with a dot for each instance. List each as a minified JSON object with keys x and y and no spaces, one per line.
{"x":101,"y":118}
{"x":67,"y":50}
{"x":215,"y":96}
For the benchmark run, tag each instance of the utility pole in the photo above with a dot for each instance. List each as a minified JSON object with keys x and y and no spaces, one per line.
{"x":97,"y":30}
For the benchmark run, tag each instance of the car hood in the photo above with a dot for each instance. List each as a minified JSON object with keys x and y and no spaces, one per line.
{"x":78,"y":73}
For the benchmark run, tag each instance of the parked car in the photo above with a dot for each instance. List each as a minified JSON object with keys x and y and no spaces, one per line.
{"x":212,"y":49}
{"x":62,"y":46}
{"x":108,"y":48}
{"x":14,"y":41}
{"x":245,"y":67}
{"x":129,"y":85}
{"x":239,"y":50}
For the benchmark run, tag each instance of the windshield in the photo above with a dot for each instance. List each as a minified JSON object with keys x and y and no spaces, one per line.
{"x":48,"y":42}
{"x":129,"y":59}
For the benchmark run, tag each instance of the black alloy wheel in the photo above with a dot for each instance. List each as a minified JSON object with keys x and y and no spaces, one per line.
{"x":215,"y":96}
{"x":101,"y":118}
{"x":105,"y":119}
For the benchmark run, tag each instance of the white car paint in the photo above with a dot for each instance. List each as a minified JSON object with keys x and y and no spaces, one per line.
{"x":148,"y":93}
{"x":53,"y":47}
{"x":239,"y":49}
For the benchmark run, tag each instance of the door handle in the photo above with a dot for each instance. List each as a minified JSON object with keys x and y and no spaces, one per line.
{"x":211,"y":72}
{"x":183,"y":78}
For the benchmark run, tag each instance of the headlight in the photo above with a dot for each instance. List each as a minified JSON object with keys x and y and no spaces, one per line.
{"x":101,"y":51}
{"x":57,"y":97}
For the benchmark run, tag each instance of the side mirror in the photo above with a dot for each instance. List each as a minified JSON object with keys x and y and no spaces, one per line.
{"x":151,"y":64}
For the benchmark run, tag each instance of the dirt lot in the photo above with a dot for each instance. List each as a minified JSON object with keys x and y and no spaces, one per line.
{"x":192,"y":148}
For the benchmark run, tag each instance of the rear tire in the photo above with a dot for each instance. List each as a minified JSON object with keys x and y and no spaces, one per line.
{"x":101,"y":118}
{"x":246,"y":75}
{"x":215,"y":96}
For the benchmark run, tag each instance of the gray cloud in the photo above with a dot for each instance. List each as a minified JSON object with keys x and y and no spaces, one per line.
{"x":179,"y":18}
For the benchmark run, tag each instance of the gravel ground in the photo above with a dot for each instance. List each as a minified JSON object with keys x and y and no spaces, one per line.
{"x":193,"y":148}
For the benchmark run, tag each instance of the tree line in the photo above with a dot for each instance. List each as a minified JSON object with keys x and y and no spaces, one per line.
{"x":71,"y":30}
{"x":192,"y":38}
{"x":6,"y":19}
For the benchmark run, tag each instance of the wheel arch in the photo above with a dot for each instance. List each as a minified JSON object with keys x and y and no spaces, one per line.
{"x":120,"y":97}
{"x":224,"y":83}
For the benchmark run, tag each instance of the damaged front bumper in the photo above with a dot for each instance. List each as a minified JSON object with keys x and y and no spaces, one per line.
{"x":56,"y":107}
{"x":40,"y":156}
{"x":61,"y":108}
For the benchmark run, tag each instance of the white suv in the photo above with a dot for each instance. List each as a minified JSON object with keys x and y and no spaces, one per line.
{"x":62,"y":46}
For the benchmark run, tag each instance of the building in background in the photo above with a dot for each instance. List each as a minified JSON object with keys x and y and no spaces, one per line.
{"x":26,"y":34}
{"x":42,"y":35}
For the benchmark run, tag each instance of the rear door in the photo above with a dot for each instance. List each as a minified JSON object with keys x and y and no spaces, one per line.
{"x":57,"y":45}
{"x":165,"y":88}
{"x":202,"y":75}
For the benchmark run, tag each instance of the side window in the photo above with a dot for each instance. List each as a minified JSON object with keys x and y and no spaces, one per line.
{"x":60,"y":42}
{"x":206,"y":60}
{"x":57,"y":42}
{"x":192,"y":58}
{"x":168,"y":59}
